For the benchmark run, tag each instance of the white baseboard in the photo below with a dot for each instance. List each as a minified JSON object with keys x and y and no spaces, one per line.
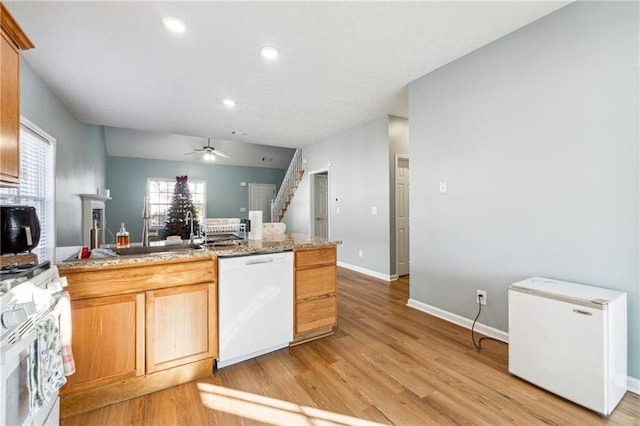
{"x":633,"y":384}
{"x":369,"y":272}
{"x":457,"y":319}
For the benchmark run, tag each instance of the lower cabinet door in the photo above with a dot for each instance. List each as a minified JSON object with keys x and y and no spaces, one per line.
{"x":108,"y":340}
{"x":316,"y":314}
{"x":181,"y":325}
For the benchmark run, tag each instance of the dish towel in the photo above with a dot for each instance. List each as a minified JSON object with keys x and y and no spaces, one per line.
{"x":50,"y":373}
{"x":63,"y":309}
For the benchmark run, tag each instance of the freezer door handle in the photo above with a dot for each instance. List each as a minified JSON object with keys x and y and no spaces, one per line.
{"x":580,"y":311}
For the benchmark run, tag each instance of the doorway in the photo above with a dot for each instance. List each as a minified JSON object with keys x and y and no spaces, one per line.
{"x":319,"y":209}
{"x":402,"y":214}
{"x":260,"y":196}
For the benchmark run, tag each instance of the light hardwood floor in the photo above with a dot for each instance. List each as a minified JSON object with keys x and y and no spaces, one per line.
{"x":387,"y":363}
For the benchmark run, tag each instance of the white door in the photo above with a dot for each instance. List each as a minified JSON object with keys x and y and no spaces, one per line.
{"x":402,"y":216}
{"x":321,"y":204}
{"x":260,"y":196}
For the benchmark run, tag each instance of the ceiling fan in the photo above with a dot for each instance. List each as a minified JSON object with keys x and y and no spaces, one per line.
{"x":210,"y":153}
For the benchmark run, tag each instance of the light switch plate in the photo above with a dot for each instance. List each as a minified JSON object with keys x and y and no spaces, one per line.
{"x":443,"y":187}
{"x":374,"y":211}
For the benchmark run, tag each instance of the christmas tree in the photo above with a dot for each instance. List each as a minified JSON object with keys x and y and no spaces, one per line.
{"x":181,"y":204}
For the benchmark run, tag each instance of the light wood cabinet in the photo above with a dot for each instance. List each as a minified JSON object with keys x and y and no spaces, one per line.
{"x":108,"y":340}
{"x":316,"y":308}
{"x":181,"y":325}
{"x":139,"y":328}
{"x":12,"y":40}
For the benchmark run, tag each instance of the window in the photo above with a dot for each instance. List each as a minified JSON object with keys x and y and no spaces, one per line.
{"x":37,"y":189}
{"x":160,"y":196}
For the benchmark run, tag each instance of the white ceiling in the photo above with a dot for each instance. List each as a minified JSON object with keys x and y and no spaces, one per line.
{"x":341,"y":64}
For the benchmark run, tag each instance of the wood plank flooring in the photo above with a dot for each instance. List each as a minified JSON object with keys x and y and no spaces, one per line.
{"x":387,"y":363}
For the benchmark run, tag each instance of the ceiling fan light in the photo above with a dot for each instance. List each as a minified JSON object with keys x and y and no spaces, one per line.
{"x":208,"y":156}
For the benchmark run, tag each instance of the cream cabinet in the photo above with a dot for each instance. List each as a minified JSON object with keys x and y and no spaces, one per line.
{"x":12,"y":40}
{"x":315,"y":291}
{"x":181,"y":325}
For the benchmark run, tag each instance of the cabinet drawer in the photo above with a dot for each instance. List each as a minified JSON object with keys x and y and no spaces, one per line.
{"x":315,"y":282}
{"x":316,"y":314}
{"x":317,"y":256}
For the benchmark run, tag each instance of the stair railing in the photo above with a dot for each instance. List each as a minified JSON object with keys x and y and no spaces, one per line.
{"x":287,"y":184}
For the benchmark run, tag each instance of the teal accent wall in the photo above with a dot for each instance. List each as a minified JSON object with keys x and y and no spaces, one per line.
{"x":127,"y":180}
{"x":81,"y":152}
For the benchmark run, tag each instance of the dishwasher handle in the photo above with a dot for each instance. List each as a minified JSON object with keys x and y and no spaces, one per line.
{"x":259,"y":261}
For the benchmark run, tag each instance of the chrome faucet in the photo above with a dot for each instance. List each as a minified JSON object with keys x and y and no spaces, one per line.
{"x":145,"y":224}
{"x":190,"y":216}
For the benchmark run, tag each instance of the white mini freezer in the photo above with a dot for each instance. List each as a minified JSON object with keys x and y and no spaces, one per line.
{"x":570,"y":339}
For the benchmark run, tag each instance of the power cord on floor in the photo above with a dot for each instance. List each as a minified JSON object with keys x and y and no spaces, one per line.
{"x":479,"y":344}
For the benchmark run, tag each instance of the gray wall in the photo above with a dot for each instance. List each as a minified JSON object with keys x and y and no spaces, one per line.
{"x":358,"y":176}
{"x":398,"y":144}
{"x":537,"y":137}
{"x":127,"y":180}
{"x":80,"y":153}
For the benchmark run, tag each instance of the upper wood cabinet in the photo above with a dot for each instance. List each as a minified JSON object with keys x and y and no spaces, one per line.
{"x":12,"y":41}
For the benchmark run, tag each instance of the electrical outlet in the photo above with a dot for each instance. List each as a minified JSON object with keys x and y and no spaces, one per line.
{"x":360,"y":254}
{"x":483,"y":299}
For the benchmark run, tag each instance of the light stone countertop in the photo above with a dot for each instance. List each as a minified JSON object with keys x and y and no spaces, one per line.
{"x":269,"y":244}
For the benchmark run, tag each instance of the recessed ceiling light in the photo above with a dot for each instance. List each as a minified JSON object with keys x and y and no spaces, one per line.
{"x":269,"y":52}
{"x":174,"y":24}
{"x":229,"y":102}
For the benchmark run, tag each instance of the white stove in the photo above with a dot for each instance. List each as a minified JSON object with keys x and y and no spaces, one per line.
{"x":28,"y":297}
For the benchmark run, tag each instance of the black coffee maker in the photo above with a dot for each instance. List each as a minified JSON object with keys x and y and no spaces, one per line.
{"x":20,"y":229}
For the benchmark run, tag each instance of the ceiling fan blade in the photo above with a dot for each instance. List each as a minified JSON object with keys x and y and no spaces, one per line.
{"x":220,"y":154}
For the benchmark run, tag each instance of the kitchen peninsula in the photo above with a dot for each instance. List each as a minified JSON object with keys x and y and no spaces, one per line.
{"x":142,"y":323}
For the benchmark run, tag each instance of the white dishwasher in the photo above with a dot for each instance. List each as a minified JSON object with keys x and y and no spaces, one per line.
{"x":255,"y":305}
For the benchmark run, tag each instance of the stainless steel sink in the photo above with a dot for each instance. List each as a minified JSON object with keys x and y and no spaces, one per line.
{"x":160,"y":248}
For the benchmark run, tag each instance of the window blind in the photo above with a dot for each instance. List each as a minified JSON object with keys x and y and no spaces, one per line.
{"x":37,"y":185}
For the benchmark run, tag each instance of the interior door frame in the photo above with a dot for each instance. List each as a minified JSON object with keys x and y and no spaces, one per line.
{"x":395,"y":219}
{"x":312,"y":216}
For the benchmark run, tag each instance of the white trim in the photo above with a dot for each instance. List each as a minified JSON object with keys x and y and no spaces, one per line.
{"x":25,"y":122}
{"x":173,"y":180}
{"x":459,"y":320}
{"x":633,"y":384}
{"x":365,"y":271}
